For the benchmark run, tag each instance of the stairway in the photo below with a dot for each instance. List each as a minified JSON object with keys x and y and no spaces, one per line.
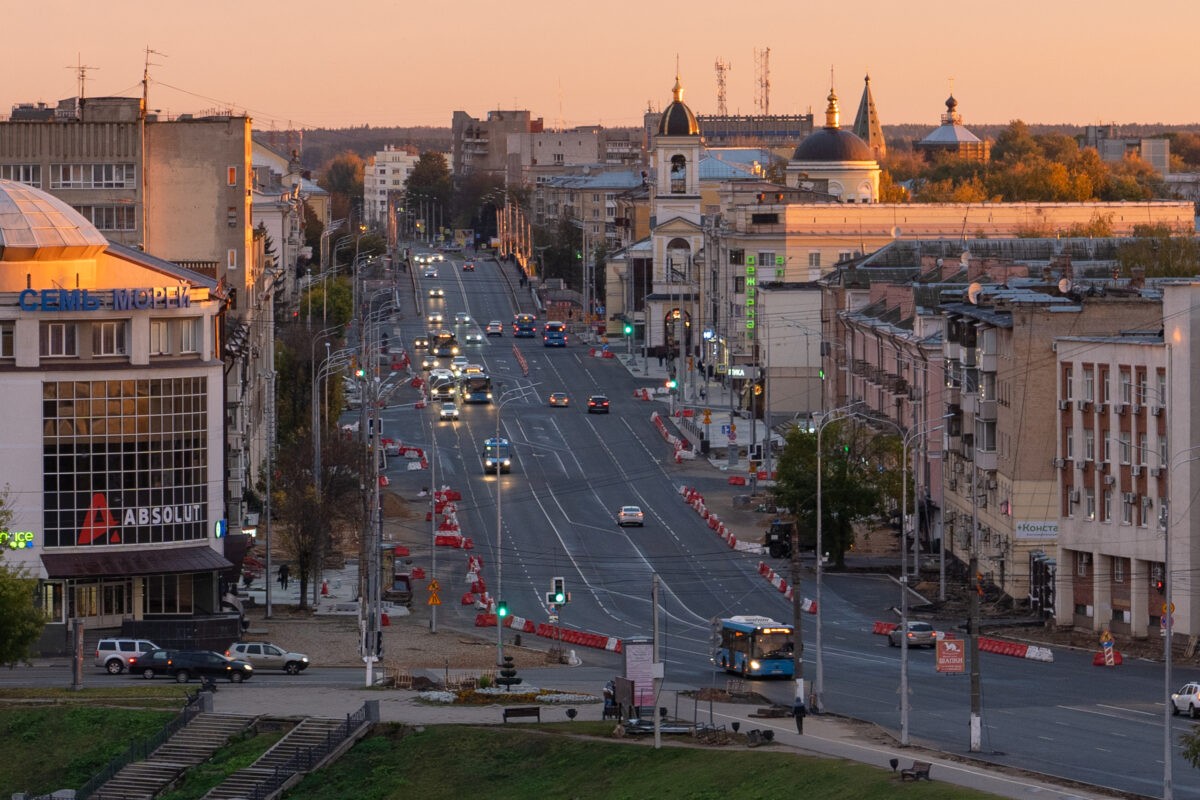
{"x":312,"y":732}
{"x":193,"y":744}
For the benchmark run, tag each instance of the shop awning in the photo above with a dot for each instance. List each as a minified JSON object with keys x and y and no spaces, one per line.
{"x":147,"y":561}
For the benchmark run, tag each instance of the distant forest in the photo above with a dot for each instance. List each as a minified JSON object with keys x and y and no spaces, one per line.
{"x":320,"y":145}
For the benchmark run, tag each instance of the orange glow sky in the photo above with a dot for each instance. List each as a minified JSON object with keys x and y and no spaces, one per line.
{"x":409,"y":62}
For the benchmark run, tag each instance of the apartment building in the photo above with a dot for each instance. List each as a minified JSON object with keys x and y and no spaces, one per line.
{"x":384,"y":176}
{"x":483,"y":145}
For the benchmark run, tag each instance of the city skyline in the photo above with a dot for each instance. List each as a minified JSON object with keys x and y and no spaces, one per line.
{"x":385,"y":64}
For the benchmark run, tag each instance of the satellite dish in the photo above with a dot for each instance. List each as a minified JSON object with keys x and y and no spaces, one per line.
{"x":973,"y":293}
{"x":1064,"y":285}
{"x":965,"y":258}
{"x":940,"y":261}
{"x":587,"y":170}
{"x":896,"y":231}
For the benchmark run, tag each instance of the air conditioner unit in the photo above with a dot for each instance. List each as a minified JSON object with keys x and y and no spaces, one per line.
{"x":1064,"y":405}
{"x":1104,"y":465}
{"x":1128,"y":497}
{"x":1136,"y":470}
{"x":1079,"y":465}
{"x":1155,"y":472}
{"x":1082,"y":405}
{"x":1109,"y":480}
{"x":991,"y":484}
{"x":1136,"y":408}
{"x":1058,"y":463}
{"x":1122,"y":408}
{"x":1147,"y":502}
{"x":1102,"y":408}
{"x":1074,"y":496}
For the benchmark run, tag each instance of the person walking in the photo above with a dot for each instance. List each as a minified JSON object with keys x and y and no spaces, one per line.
{"x":284,"y":574}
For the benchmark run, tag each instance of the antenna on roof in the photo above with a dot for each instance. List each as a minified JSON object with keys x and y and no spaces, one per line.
{"x":81,"y":72}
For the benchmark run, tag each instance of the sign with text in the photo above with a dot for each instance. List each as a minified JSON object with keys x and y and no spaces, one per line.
{"x":951,"y":655}
{"x":639,"y":668}
{"x":1034,"y":529}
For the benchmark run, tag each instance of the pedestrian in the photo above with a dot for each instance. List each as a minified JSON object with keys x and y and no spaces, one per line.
{"x":284,"y":573}
{"x":799,"y":712}
{"x":660,"y":358}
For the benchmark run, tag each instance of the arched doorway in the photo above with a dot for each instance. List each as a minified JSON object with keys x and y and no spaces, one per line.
{"x":677,"y":326}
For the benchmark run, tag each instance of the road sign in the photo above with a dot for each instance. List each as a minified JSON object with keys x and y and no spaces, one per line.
{"x":1164,"y":608}
{"x":951,"y":655}
{"x":725,"y":429}
{"x":434,"y":587}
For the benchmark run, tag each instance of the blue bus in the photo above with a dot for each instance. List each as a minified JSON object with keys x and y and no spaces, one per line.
{"x":754,"y":647}
{"x":497,"y":455}
{"x":476,"y":389}
{"x":525,"y":325}
{"x":554,"y":334}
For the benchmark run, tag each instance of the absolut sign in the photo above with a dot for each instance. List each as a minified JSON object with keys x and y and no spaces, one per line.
{"x":133,"y":299}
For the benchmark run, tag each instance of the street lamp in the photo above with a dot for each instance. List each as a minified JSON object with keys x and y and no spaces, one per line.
{"x":819,"y":684}
{"x":503,"y":398}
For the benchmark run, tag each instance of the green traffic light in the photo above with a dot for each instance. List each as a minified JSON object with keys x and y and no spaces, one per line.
{"x":671,"y":384}
{"x":628,"y":329}
{"x":502,"y":609}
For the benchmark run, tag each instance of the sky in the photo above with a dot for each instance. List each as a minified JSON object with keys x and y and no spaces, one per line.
{"x":414,"y":62}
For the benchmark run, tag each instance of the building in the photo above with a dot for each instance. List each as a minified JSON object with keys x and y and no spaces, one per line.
{"x":951,"y":139}
{"x":1113,"y":147}
{"x":112,"y":362}
{"x":835,"y":161}
{"x":482,"y":146}
{"x":866,"y":123}
{"x":181,"y":189}
{"x":384,"y":176}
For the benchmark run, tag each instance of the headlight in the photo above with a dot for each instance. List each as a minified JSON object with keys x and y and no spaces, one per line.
{"x":755,"y":665}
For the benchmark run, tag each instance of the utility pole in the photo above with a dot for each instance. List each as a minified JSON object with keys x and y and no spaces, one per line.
{"x":973,"y":622}
{"x":656,"y":664}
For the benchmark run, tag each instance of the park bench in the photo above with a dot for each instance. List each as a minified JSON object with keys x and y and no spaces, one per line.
{"x":918,"y":770}
{"x":525,"y":711}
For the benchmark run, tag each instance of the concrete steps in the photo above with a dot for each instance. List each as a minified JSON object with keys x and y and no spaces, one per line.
{"x":309,"y":733}
{"x":193,"y":744}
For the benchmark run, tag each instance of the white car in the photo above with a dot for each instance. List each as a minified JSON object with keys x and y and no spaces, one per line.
{"x":474,"y":337}
{"x":458,"y":364}
{"x":435,"y":318}
{"x":264,"y":655}
{"x":431,"y":272}
{"x":1187,"y":699}
{"x":449,"y":411}
{"x":462,"y":318}
{"x":631,"y":515}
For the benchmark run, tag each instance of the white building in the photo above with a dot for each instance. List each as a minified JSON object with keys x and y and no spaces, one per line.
{"x":386,"y":171}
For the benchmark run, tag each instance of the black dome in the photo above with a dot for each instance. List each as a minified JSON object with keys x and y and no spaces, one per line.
{"x":678,"y":120}
{"x":833,"y":144}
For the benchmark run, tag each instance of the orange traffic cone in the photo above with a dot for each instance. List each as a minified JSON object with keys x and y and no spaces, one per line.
{"x":325,"y":588}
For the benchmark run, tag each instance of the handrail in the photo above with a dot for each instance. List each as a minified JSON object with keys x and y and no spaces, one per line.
{"x":304,"y":760}
{"x":141,"y":749}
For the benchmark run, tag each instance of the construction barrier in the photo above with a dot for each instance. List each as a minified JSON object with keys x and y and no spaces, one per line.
{"x":884,"y":628}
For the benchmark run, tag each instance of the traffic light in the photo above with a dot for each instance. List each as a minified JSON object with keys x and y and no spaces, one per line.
{"x":1160,"y":586}
{"x":502,"y":609}
{"x":628,"y":329}
{"x":671,"y":383}
{"x":559,"y":591}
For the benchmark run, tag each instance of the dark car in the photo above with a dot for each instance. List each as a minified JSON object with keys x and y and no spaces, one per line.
{"x":183,"y":665}
{"x":597,"y":404}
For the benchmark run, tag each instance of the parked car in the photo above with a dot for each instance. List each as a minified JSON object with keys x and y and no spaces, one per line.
{"x":597,"y":404}
{"x":265,"y":655}
{"x":448,"y":412}
{"x":183,"y":665}
{"x":495,"y":328}
{"x":920,"y":634}
{"x":631,"y":515}
{"x":559,"y":399}
{"x":115,"y":655}
{"x":1187,"y":699}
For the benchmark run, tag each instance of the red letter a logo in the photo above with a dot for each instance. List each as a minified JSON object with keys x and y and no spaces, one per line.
{"x":98,"y":521}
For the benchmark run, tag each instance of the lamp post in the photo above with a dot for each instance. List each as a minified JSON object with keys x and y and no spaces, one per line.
{"x":819,"y":683}
{"x":503,"y":398}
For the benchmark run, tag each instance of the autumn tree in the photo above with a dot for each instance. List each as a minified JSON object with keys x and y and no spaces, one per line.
{"x":1160,"y":252}
{"x":21,"y":621}
{"x":859,"y":475}
{"x":342,"y":177}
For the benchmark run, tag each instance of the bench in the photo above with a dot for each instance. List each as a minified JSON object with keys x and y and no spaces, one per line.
{"x":918,"y":770}
{"x":531,"y":711}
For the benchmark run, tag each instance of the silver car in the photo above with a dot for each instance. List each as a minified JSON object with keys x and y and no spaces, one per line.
{"x":920,"y":634}
{"x":115,"y":655}
{"x":264,"y":655}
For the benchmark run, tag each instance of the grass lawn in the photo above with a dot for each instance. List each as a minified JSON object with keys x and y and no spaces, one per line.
{"x":454,"y":762}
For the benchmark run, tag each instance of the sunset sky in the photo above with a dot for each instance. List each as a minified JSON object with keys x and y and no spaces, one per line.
{"x":404,"y":62}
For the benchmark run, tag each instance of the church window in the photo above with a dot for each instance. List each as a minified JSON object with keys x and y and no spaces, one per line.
{"x":678,"y":174}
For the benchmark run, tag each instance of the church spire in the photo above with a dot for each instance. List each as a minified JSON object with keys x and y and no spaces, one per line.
{"x":866,"y":122}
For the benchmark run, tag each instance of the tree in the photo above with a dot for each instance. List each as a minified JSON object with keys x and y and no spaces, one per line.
{"x":342,"y":177}
{"x":1191,"y":746}
{"x":21,"y":621}
{"x":1160,"y":251}
{"x":858,"y":478}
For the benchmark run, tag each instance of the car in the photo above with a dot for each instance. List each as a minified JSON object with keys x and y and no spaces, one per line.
{"x":437,"y":293}
{"x":183,"y":665}
{"x":468,"y":266}
{"x":265,"y":655}
{"x":440,"y":374}
{"x":474,"y":337}
{"x":597,"y":404}
{"x":431,"y":272}
{"x":437,"y":257}
{"x":435,"y":318}
{"x":920,"y":634}
{"x":462,"y":318}
{"x":421,"y":343}
{"x":631,"y":515}
{"x":1187,"y":699}
{"x":495,"y":328}
{"x":429,"y":362}
{"x":559,"y":399}
{"x":458,"y":363}
{"x":448,"y":412}
{"x":115,"y":654}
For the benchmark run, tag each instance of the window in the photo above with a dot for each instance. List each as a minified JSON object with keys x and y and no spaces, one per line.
{"x":1106,"y":509}
{"x":739,"y":284}
{"x":1161,"y":400}
{"x":1118,"y":570}
{"x":1126,"y":387}
{"x":845,"y":255}
{"x":814,"y":259}
{"x":188,"y":339}
{"x":1126,"y":509}
{"x":678,"y":174}
{"x":1104,"y":391}
{"x":1142,"y":394}
{"x":1126,"y":448}
{"x":1089,"y":495}
{"x":1143,"y":446}
{"x":58,"y":339}
{"x":766,"y":260}
{"x":737,"y":257}
{"x":1162,"y":451}
{"x":231,"y":176}
{"x":1070,"y":446}
{"x":1106,"y":445}
{"x":1089,"y":384}
{"x":92,"y":176}
{"x":7,"y":328}
{"x":29,"y":174}
{"x":1082,"y":561}
{"x":1089,"y":445}
{"x":110,"y":218}
{"x":1068,"y":383}
{"x":231,"y":216}
{"x":108,"y":338}
{"x":160,"y":337}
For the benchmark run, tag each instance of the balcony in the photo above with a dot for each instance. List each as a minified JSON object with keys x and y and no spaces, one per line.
{"x":987,"y":460}
{"x":988,"y":362}
{"x":987,"y":410}
{"x":969,"y":403}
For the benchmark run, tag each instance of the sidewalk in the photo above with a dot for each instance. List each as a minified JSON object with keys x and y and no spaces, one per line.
{"x":825,"y":736}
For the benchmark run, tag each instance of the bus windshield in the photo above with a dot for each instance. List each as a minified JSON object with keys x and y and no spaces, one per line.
{"x":443,"y":343}
{"x":477,"y":388}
